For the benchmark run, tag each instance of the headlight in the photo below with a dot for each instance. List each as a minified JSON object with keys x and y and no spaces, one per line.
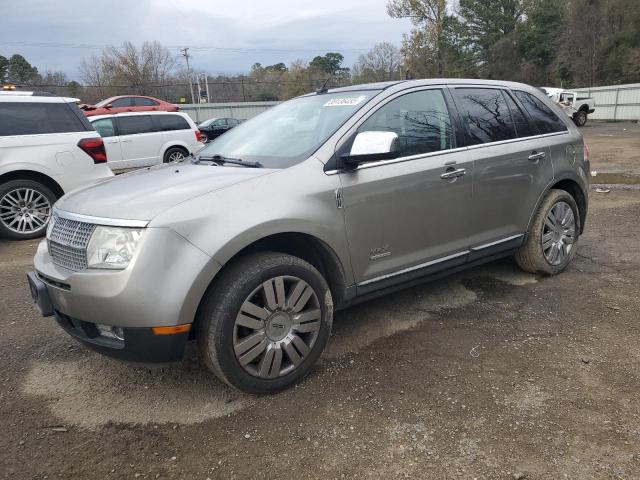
{"x":112,"y":247}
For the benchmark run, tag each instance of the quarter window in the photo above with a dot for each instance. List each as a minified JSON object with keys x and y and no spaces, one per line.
{"x":486,"y":115}
{"x":26,"y":118}
{"x":104,"y":127}
{"x":135,"y":124}
{"x":420,"y":119}
{"x":171,"y":122}
{"x":543,"y":117}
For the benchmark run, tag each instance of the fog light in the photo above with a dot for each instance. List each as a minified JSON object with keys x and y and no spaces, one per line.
{"x":108,"y":331}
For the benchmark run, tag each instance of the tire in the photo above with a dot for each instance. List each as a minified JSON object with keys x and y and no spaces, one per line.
{"x":25,"y":209}
{"x":580,"y":118}
{"x":537,"y":253}
{"x":174,"y":154}
{"x":286,"y":344}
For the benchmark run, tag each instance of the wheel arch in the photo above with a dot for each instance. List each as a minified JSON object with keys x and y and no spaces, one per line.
{"x":305,"y":246}
{"x":34,"y":176}
{"x":572,"y":187}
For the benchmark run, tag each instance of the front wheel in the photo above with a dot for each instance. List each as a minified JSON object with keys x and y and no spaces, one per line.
{"x":552,"y":237}
{"x":265,"y":322}
{"x":25,"y":209}
{"x":580,"y":118}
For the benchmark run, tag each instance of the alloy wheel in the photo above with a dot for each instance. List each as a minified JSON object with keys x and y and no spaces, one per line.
{"x":277,"y":327}
{"x":24,"y":210}
{"x":559,"y":233}
{"x":176,"y":156}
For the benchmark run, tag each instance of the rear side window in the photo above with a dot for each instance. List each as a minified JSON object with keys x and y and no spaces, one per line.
{"x":22,"y":118}
{"x":135,"y":124}
{"x":144,"y":102}
{"x":523,"y":127}
{"x":420,"y":119}
{"x":486,"y":115}
{"x":105,"y":127}
{"x":543,"y":117}
{"x":171,"y":122}
{"x":122,"y":102}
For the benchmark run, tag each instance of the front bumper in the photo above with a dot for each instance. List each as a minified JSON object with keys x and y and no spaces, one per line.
{"x":140,"y":345}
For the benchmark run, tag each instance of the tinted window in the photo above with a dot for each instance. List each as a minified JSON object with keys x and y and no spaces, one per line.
{"x":21,"y":118}
{"x":523,"y":127}
{"x":122,"y":102}
{"x":104,"y":127}
{"x":135,"y":124}
{"x":171,"y":122}
{"x":144,"y":102}
{"x":221,"y":122}
{"x":232,"y":122}
{"x":486,"y":115}
{"x":543,"y":117}
{"x":420,"y":119}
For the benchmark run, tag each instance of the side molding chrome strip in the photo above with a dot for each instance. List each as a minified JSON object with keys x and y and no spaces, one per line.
{"x":416,"y":267}
{"x":110,"y":222}
{"x":497,"y":242}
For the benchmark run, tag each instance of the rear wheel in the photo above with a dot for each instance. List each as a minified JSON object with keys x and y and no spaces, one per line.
{"x":580,"y":118}
{"x":175,"y":154}
{"x":25,"y":209}
{"x":265,"y":322}
{"x":553,"y":235}
{"x":204,"y":138}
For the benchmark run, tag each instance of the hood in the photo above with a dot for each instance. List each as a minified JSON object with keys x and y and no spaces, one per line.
{"x":143,"y":194}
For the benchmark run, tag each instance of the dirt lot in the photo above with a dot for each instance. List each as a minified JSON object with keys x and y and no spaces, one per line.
{"x":615,"y":147}
{"x":490,"y":374}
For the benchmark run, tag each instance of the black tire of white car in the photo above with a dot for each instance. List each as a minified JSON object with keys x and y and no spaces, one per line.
{"x":217,"y":326}
{"x":6,"y":202}
{"x":530,"y":257}
{"x":172,"y":151}
{"x":580,"y":118}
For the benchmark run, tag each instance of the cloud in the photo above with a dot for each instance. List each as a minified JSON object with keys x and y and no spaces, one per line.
{"x":264,"y":31}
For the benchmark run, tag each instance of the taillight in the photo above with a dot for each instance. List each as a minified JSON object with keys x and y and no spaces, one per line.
{"x":198,"y":136}
{"x":94,"y":147}
{"x":586,"y":153}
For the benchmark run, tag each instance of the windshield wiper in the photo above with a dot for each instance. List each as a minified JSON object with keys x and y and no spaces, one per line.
{"x":220,"y":160}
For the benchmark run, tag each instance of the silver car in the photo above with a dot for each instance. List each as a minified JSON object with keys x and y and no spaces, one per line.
{"x":325,"y":200}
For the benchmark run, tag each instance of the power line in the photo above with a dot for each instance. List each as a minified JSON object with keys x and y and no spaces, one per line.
{"x":93,"y":46}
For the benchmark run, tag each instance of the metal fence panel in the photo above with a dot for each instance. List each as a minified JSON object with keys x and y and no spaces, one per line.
{"x":242,"y":110}
{"x":615,"y":102}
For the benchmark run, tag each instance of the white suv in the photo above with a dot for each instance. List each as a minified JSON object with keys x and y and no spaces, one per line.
{"x":141,"y":139}
{"x":47,"y":148}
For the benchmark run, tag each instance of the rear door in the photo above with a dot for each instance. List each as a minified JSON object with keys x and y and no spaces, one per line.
{"x":140,"y":141}
{"x":107,"y":129}
{"x":402,"y":215}
{"x":512,"y":165}
{"x":175,"y":130}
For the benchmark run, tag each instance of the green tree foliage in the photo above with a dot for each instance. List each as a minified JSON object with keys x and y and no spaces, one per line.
{"x":20,"y":71}
{"x":330,"y":63}
{"x":4,"y":66}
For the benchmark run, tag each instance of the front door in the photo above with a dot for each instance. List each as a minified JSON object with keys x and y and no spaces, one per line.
{"x":413,"y":212}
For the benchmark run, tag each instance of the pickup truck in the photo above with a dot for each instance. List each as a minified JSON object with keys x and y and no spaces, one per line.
{"x":577,"y":107}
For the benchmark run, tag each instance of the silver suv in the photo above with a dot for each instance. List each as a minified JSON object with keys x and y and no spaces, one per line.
{"x":325,"y":200}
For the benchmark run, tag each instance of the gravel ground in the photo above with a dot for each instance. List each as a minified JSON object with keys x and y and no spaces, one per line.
{"x":489,"y":374}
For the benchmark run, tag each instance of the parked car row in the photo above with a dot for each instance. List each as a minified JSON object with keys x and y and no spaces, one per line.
{"x":49,"y":146}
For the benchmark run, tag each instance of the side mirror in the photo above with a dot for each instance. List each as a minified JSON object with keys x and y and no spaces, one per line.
{"x":370,"y":147}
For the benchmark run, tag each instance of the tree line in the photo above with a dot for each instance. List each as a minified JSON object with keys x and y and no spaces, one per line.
{"x":566,"y":43}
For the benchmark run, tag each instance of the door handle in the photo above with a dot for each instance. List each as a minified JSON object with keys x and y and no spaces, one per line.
{"x":126,"y":141}
{"x":113,"y":141}
{"x":535,"y":156}
{"x":453,"y":174}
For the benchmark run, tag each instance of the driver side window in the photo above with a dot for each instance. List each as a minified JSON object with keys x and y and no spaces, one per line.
{"x":420,"y":119}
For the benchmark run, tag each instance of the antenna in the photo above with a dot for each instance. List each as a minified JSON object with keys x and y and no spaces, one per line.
{"x":323,"y":88}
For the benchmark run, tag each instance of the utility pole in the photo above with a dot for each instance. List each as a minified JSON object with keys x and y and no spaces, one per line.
{"x":185,"y":54}
{"x":206,"y":83}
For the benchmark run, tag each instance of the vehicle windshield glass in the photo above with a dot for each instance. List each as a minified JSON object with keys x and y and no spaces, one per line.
{"x":105,"y":102}
{"x":290,"y":132}
{"x":206,"y":123}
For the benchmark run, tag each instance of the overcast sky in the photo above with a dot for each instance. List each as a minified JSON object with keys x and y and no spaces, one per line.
{"x":267,"y":31}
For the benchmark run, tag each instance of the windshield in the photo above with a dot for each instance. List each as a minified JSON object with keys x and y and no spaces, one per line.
{"x":288,"y":133}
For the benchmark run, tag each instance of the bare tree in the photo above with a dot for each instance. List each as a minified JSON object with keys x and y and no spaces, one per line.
{"x":383,"y":62}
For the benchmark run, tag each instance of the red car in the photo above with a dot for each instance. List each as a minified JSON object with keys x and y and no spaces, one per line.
{"x":128,"y":103}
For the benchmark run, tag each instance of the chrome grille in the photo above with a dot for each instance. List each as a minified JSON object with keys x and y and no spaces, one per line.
{"x":67,"y":241}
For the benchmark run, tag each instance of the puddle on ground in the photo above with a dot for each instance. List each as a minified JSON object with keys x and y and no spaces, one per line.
{"x":94,"y":390}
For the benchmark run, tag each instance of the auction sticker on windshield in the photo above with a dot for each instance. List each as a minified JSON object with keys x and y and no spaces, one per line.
{"x":345,"y":101}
